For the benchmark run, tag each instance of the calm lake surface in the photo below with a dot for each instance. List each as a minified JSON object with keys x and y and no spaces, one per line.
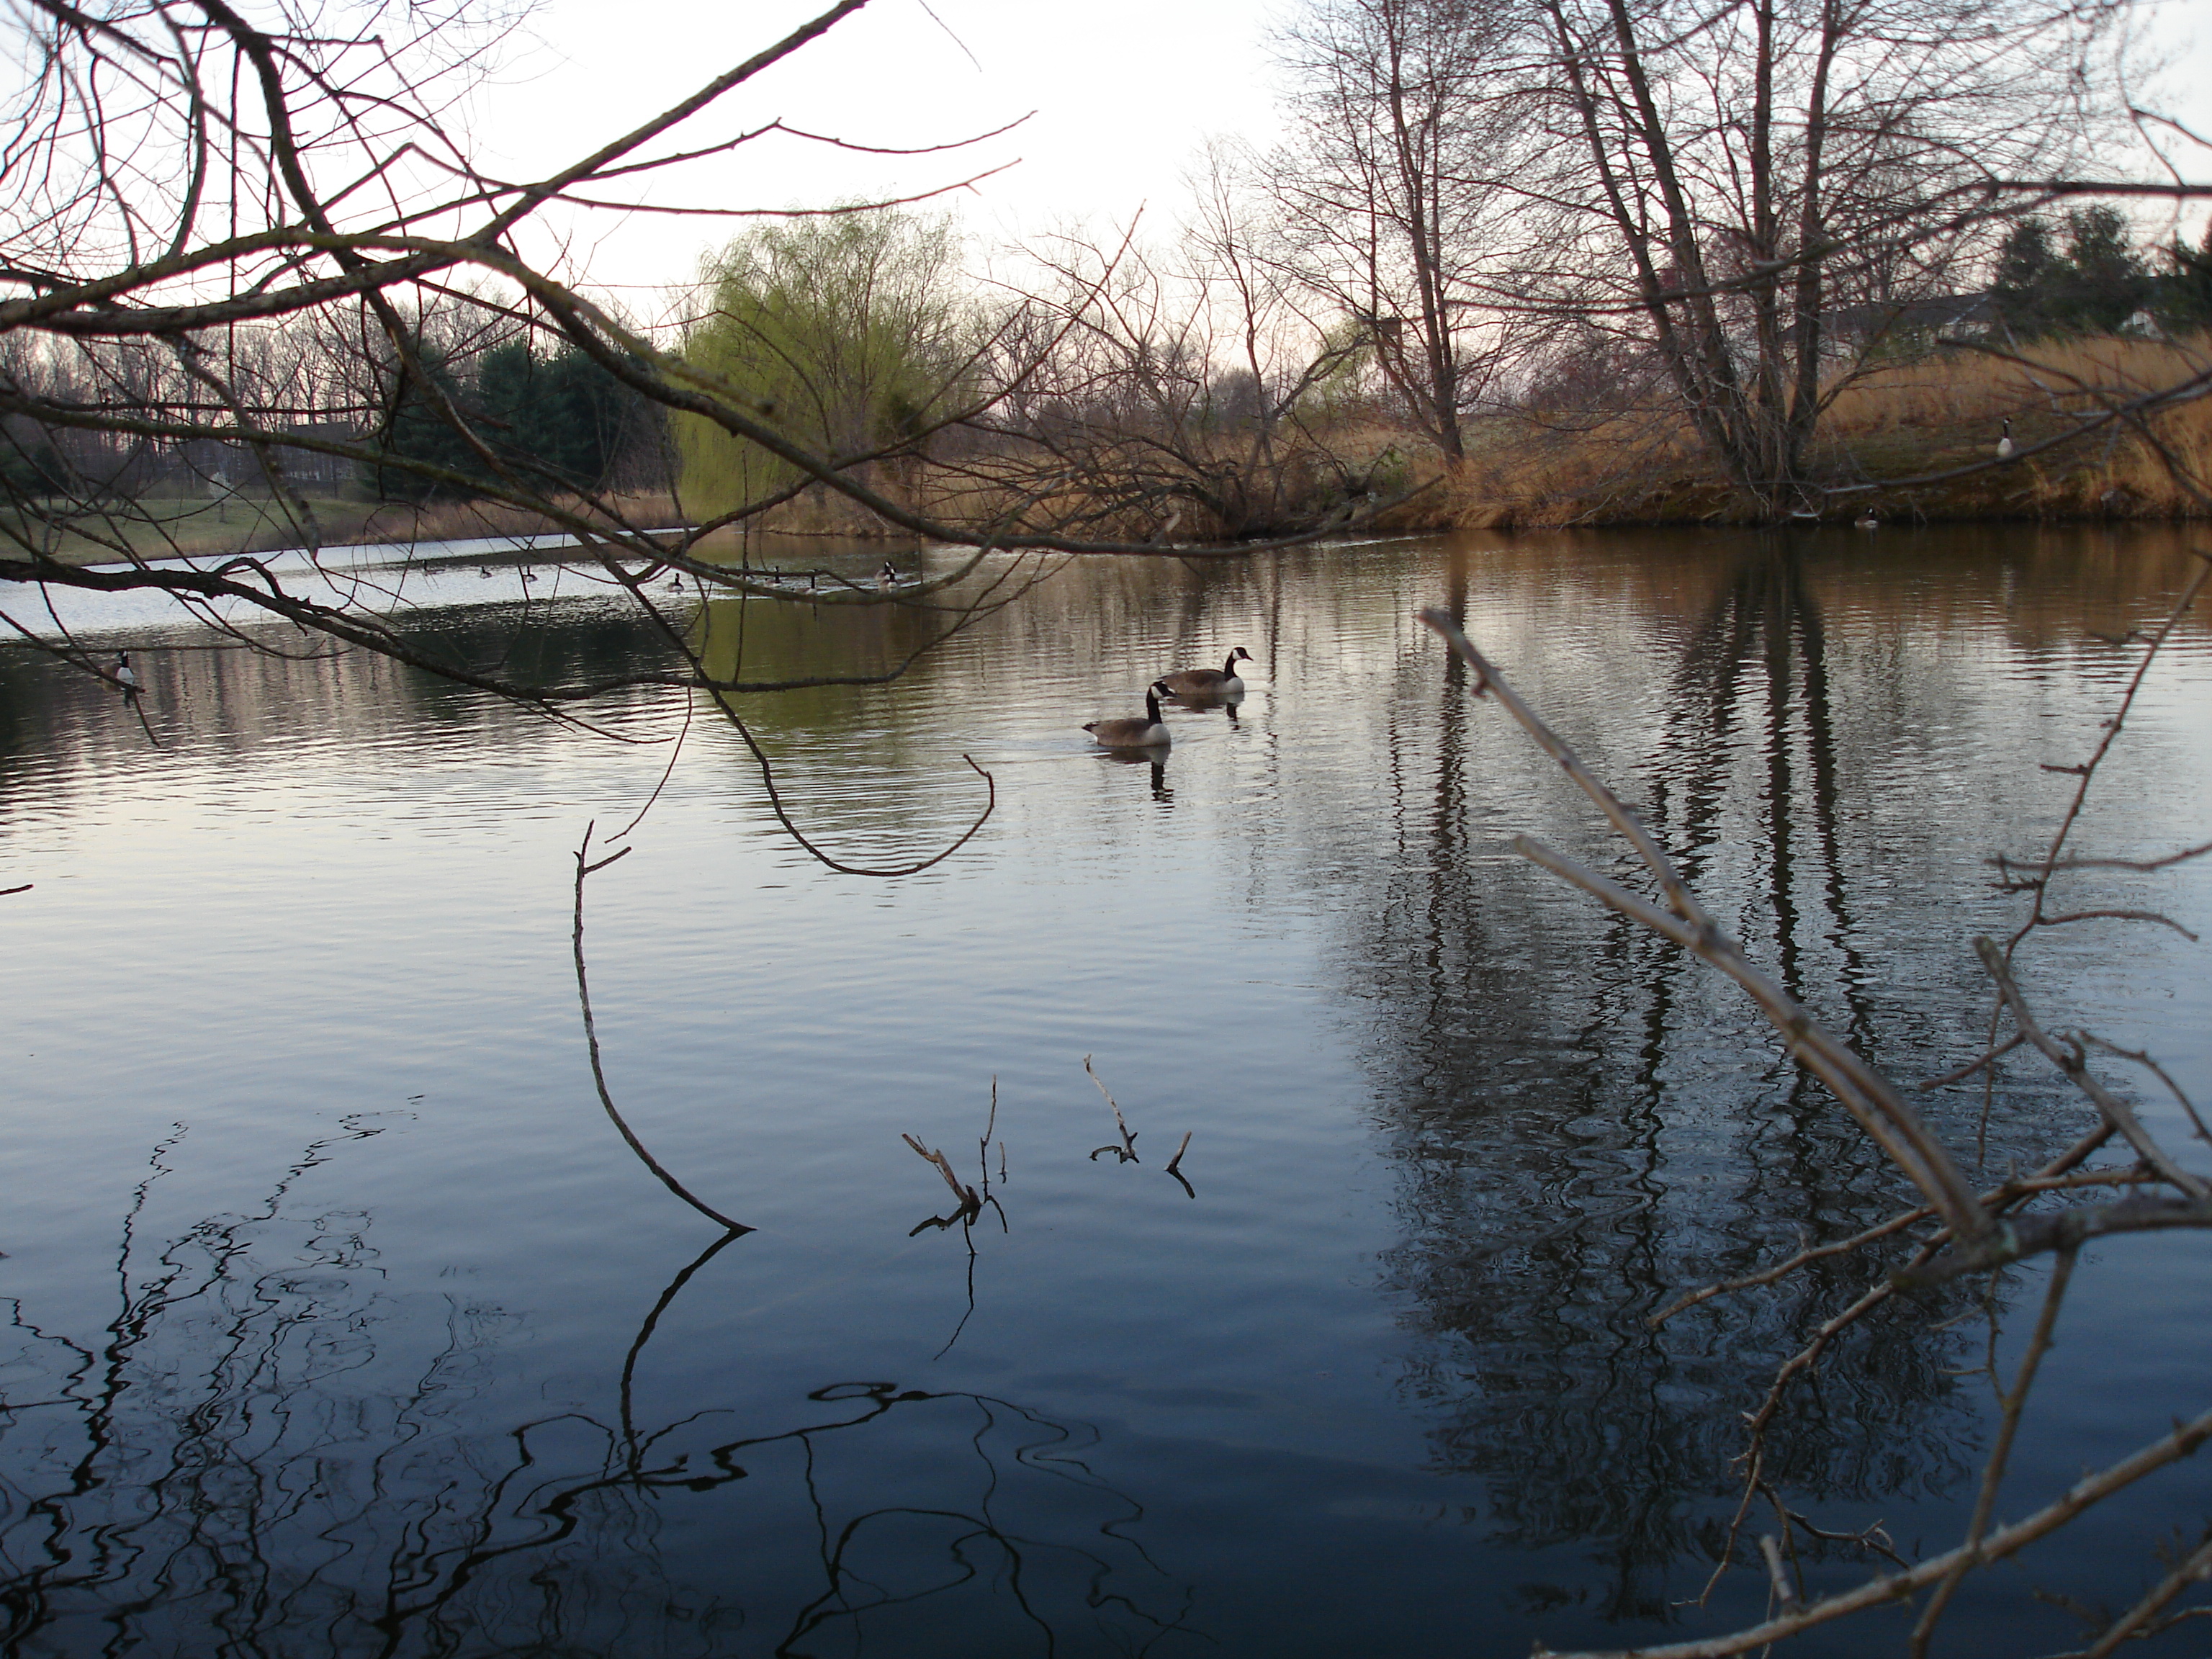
{"x":345,"y":1322}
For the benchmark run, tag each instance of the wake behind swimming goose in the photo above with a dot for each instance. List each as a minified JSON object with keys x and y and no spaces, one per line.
{"x":1150,"y":733}
{"x":1222,"y":682}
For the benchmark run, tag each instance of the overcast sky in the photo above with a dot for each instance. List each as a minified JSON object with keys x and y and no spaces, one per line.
{"x":1118,"y":97}
{"x":1123,"y":95}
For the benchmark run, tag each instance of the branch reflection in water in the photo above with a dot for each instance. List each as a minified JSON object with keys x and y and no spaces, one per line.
{"x":1559,"y":1181}
{"x":242,"y":1459}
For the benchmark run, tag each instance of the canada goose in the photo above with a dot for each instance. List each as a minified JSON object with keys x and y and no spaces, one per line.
{"x":484,"y":570}
{"x":1867,"y":520}
{"x":1222,"y":682}
{"x":126,"y":675}
{"x":2005,"y":451}
{"x":888,"y":576}
{"x":530,"y":575}
{"x":1146,"y":733}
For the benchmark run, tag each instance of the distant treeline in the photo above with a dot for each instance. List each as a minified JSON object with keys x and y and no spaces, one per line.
{"x":1660,"y":234}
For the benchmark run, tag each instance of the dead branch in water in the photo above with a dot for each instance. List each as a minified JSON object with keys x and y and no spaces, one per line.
{"x":584,"y":867}
{"x":970,"y":1204}
{"x":1972,"y":1233}
{"x":1870,"y":1098}
{"x":1126,"y":1153}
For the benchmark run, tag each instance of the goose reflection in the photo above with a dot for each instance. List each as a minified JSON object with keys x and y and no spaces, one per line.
{"x":1202,"y":699}
{"x":1153,"y":759}
{"x":1203,"y":702}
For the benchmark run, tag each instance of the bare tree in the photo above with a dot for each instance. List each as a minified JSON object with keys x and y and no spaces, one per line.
{"x":1727,"y":179}
{"x":1173,"y":393}
{"x":1384,"y":189}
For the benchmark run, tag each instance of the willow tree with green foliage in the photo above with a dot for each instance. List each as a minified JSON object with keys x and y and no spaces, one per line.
{"x":852,"y":334}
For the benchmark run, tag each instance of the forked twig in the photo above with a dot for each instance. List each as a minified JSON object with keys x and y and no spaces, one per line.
{"x":2015,"y":1403}
{"x":2194,"y":1569}
{"x":1175,"y":1163}
{"x":969,"y":1203}
{"x":1175,"y":1166}
{"x":2142,"y":1059}
{"x":1126,"y":1151}
{"x":2114,"y":1110}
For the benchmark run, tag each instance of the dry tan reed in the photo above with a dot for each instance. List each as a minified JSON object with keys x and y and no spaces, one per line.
{"x":1887,"y":425}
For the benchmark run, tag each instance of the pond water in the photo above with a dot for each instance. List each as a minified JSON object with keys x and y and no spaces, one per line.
{"x":346,"y":1323}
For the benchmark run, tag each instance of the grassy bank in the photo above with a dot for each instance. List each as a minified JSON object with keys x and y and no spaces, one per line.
{"x":1888,"y":438}
{"x":1897,"y":424}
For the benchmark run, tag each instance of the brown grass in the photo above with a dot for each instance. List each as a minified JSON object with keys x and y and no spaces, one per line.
{"x":1893,"y":423}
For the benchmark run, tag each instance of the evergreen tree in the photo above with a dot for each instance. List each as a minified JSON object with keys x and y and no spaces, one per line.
{"x":2104,"y":280}
{"x":420,"y":433}
{"x":2185,"y":292}
{"x":562,"y":415}
{"x":2020,"y":288}
{"x":2093,"y":288}
{"x":31,"y":465}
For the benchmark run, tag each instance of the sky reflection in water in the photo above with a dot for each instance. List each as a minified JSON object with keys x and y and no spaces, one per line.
{"x":345,"y":1324}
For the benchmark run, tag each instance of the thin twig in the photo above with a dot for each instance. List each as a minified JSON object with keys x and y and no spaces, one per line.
{"x":1767,"y":1276}
{"x":2115,"y":1111}
{"x":2194,"y":1569}
{"x":1175,"y":1163}
{"x":1126,"y":1151}
{"x":592,"y":1043}
{"x":969,"y":1201}
{"x":2143,"y":1059}
{"x":2015,"y":1403}
{"x":2084,"y":1494}
{"x":1962,"y":1073}
{"x":2117,"y":916}
{"x":2087,"y":769}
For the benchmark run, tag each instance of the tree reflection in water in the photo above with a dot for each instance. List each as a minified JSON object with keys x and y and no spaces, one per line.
{"x":226,"y":1469}
{"x":1658,"y":1142}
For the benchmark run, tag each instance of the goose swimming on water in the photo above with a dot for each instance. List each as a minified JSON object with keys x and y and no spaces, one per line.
{"x":1150,"y":733}
{"x":2005,"y":449}
{"x":1222,"y":682}
{"x":126,"y":675}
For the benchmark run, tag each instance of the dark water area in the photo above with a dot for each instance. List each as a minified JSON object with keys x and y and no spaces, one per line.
{"x":343,"y":1322}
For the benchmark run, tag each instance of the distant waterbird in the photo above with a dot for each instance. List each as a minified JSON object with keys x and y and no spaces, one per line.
{"x":1867,"y":520}
{"x":887,"y":577}
{"x":126,"y":675}
{"x":2006,"y":450}
{"x":1150,"y":733}
{"x":1222,"y":682}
